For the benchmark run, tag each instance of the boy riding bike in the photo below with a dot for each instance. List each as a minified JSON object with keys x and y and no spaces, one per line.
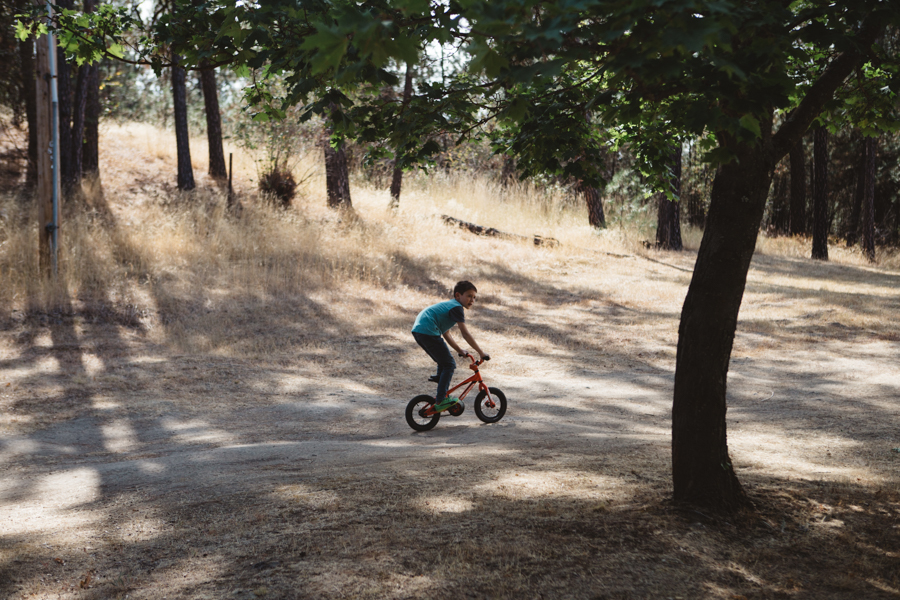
{"x":435,"y":322}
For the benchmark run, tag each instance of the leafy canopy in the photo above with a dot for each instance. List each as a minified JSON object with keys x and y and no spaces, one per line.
{"x":556,"y":83}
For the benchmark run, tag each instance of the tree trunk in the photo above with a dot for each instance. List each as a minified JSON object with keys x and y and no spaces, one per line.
{"x":66,"y":109}
{"x":596,"y":216}
{"x":820,"y":195}
{"x":217,"y":167}
{"x":79,"y":111}
{"x":852,"y":233}
{"x":397,"y":178}
{"x":26,"y":58}
{"x":668,"y":222}
{"x":868,"y":200}
{"x":44,"y":165}
{"x":702,"y":471}
{"x":337,"y":177}
{"x":182,"y":144}
{"x":701,"y":467}
{"x":508,"y":170}
{"x":90,"y":152}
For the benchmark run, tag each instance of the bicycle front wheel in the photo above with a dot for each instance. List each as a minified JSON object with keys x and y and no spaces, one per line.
{"x":490,"y":409}
{"x":415,"y":416}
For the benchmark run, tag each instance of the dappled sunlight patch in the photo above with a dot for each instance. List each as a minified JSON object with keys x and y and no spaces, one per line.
{"x":444,"y":504}
{"x":119,"y":436}
{"x":196,"y":431}
{"x":533,"y":484}
{"x":304,"y":496}
{"x":807,"y":456}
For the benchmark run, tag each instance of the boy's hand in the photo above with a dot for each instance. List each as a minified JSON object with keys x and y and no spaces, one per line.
{"x":485,"y":356}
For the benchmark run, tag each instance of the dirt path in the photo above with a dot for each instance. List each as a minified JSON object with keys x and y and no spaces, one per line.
{"x":324,"y":492}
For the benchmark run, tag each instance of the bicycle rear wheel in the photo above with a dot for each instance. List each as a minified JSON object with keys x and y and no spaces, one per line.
{"x":414,"y":416}
{"x":490,"y":410}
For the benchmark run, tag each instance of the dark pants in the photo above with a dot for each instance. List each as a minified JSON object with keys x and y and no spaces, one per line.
{"x":437,"y":349}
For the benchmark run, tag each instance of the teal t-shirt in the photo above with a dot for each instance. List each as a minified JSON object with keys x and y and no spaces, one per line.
{"x":438,"y":318}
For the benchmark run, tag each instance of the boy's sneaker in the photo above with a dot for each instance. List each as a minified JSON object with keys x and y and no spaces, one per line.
{"x":445,"y":404}
{"x":433,"y":379}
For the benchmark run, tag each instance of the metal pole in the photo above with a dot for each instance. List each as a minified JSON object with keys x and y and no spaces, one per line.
{"x":230,"y":190}
{"x":53,"y":226}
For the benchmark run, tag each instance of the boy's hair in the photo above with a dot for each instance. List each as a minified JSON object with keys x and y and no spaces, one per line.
{"x":462,"y":287}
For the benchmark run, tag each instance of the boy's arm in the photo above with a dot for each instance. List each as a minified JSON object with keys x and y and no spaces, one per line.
{"x":453,"y":343}
{"x":471,"y":341}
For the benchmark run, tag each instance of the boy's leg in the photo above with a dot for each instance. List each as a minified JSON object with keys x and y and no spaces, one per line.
{"x":437,"y":349}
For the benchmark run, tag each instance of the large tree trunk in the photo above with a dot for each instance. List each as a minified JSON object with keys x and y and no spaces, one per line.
{"x":217,"y":167}
{"x":90,"y":152}
{"x":182,"y":143}
{"x":668,"y":222}
{"x":66,"y":110}
{"x":820,"y":195}
{"x":701,"y":467}
{"x":868,"y":200}
{"x":596,"y":216}
{"x":79,"y":113}
{"x":397,"y":178}
{"x":26,"y":62}
{"x":44,"y":167}
{"x":79,"y":110}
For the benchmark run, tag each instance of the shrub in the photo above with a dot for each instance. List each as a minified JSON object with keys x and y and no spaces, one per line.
{"x":280,"y":185}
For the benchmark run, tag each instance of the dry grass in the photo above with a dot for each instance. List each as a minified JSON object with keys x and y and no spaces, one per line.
{"x":209,"y":406}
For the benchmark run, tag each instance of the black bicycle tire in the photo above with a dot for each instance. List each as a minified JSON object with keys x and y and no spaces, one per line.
{"x":499,"y":397}
{"x":411,"y":411}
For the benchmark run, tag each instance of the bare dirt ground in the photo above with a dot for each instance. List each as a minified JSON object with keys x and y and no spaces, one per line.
{"x":273,"y":460}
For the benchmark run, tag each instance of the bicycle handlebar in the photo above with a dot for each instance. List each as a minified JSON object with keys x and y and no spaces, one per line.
{"x":472,"y":358}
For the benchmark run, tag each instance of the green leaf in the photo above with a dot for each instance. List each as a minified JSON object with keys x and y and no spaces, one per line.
{"x":116,"y":50}
{"x":750,"y":123}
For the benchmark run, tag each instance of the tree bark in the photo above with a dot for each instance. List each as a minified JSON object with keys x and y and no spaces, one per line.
{"x":182,"y":142}
{"x":596,"y":216}
{"x":217,"y":167}
{"x":78,"y":116}
{"x":820,"y":195}
{"x":337,"y":177}
{"x":79,"y":113}
{"x":90,"y":152}
{"x":668,"y":222}
{"x":43,"y":167}
{"x":798,"y":190}
{"x":397,"y":177}
{"x":66,"y":110}
{"x":26,"y":61}
{"x":701,"y":467}
{"x":868,"y":200}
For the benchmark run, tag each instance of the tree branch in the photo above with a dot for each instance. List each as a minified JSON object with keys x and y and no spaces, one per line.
{"x":799,"y":120}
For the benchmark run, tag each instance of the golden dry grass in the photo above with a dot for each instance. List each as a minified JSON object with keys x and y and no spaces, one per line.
{"x":210,"y":406}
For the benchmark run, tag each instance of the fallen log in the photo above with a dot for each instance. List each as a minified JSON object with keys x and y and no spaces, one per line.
{"x":490,"y":231}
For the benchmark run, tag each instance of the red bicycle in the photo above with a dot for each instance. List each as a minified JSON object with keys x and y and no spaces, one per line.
{"x":490,"y":403}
